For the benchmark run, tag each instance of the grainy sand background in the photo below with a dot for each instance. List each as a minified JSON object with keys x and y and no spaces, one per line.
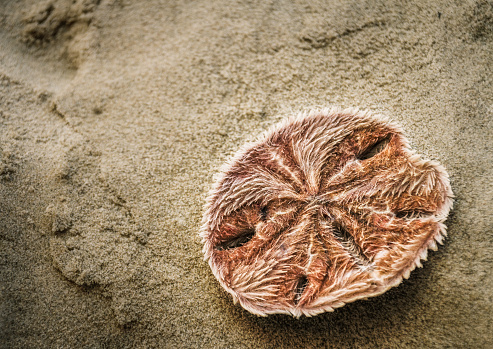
{"x":115,"y":114}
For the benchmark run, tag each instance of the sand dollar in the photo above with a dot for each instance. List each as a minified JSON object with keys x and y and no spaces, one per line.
{"x":325,"y":208}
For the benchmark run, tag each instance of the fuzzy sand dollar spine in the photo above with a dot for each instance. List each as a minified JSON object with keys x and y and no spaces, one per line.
{"x":323,"y":209}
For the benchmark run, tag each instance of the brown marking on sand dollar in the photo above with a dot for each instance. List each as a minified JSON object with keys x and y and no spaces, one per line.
{"x":325,"y":208}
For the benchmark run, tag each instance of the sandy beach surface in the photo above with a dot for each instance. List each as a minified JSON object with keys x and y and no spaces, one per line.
{"x":116,"y":114}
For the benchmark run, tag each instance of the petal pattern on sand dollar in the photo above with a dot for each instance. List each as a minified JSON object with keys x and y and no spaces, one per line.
{"x":326,"y":208}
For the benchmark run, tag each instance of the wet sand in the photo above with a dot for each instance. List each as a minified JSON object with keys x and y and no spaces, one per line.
{"x":115,"y":115}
